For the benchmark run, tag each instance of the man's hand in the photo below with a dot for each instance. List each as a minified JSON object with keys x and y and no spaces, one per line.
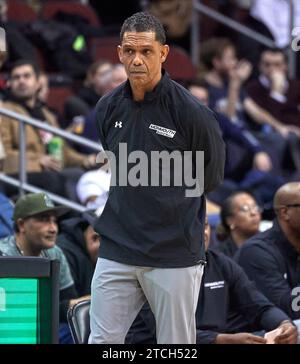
{"x":240,"y":338}
{"x":289,"y":334}
{"x":278,"y":80}
{"x":241,"y":72}
{"x":262,"y":162}
{"x":50,"y":163}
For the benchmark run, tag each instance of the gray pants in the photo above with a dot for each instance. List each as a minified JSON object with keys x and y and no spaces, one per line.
{"x":119,"y":292}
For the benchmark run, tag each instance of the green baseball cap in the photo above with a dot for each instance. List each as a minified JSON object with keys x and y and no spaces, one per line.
{"x":34,"y":204}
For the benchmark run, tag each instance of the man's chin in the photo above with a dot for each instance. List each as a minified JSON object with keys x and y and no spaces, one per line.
{"x":48,"y":244}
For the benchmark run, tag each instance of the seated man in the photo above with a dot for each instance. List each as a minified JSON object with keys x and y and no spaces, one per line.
{"x":80,"y":244}
{"x":225,"y":288}
{"x":271,"y":259}
{"x":44,"y":169}
{"x":273,"y":91}
{"x":35,"y":235}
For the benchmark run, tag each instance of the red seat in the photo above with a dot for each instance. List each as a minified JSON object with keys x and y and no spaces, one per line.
{"x":179,"y":64}
{"x":19,"y":11}
{"x":57,"y":97}
{"x":105,"y":48}
{"x":52,"y":7}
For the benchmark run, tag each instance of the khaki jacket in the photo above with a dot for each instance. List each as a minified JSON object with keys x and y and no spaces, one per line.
{"x":35,"y":148}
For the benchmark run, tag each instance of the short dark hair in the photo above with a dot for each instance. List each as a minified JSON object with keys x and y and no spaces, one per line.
{"x":25,"y":62}
{"x":144,"y":22}
{"x":223,"y":229}
{"x":274,"y":50}
{"x":214,"y":48}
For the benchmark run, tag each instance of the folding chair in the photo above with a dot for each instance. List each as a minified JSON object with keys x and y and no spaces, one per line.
{"x":79,"y":321}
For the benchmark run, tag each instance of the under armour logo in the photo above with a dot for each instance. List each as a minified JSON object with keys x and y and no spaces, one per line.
{"x":118,"y":124}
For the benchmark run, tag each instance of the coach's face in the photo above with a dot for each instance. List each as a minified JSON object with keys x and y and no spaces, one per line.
{"x":142,"y":56}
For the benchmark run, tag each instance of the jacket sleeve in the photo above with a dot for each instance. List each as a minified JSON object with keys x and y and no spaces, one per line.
{"x":206,"y":336}
{"x":262,"y":268}
{"x":11,"y":149}
{"x":72,"y":158}
{"x":238,"y":135}
{"x":252,"y":304}
{"x":206,"y":136}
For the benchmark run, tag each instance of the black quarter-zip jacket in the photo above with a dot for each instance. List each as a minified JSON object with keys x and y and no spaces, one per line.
{"x":157,"y":226}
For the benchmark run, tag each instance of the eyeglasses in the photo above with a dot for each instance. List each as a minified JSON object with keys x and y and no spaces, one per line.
{"x":292,"y":205}
{"x":247,"y":208}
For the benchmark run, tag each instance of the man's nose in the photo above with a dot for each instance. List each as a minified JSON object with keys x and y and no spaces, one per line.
{"x":53,"y":227}
{"x":137,"y":60}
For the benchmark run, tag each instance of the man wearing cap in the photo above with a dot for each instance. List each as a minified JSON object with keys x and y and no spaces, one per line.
{"x":35,"y":235}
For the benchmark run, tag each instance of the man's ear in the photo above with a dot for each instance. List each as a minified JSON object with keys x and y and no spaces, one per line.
{"x":120,"y":53}
{"x":164,"y":53}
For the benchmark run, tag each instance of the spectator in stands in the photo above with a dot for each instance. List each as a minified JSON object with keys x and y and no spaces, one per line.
{"x":45,"y":171}
{"x":225,"y":290}
{"x":271,"y":259}
{"x":93,"y":88}
{"x":80,"y":244}
{"x":247,"y":164}
{"x":279,"y":95}
{"x":240,"y":219}
{"x":274,"y":91}
{"x":226,"y":77}
{"x":255,"y":156}
{"x":35,"y":219}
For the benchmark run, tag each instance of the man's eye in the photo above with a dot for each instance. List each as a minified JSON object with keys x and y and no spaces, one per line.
{"x":147,"y":51}
{"x":129,"y":51}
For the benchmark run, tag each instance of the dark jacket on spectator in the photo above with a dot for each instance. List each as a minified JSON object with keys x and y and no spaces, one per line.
{"x":228,"y":247}
{"x":274,"y":265}
{"x":72,"y":241}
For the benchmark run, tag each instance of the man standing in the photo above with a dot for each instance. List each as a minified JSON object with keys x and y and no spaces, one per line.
{"x":152,"y":236}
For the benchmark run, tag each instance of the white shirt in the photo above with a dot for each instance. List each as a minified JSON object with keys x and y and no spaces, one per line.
{"x":275,"y":14}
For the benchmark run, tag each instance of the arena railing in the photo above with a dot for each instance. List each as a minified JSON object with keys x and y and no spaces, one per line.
{"x":199,"y":8}
{"x":22,"y":182}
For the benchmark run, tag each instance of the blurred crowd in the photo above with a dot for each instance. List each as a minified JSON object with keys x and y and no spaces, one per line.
{"x":256,"y":103}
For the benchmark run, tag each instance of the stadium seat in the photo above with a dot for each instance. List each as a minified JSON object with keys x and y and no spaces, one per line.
{"x":179,"y":64}
{"x":105,"y":48}
{"x":79,"y":321}
{"x":52,"y":7}
{"x":19,"y":11}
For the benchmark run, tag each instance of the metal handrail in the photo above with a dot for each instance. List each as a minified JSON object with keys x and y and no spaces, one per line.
{"x":52,"y":129}
{"x":211,"y":13}
{"x":30,"y":188}
{"x":22,"y":183}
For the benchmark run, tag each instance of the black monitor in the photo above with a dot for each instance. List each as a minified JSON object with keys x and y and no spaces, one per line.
{"x":29,"y":300}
